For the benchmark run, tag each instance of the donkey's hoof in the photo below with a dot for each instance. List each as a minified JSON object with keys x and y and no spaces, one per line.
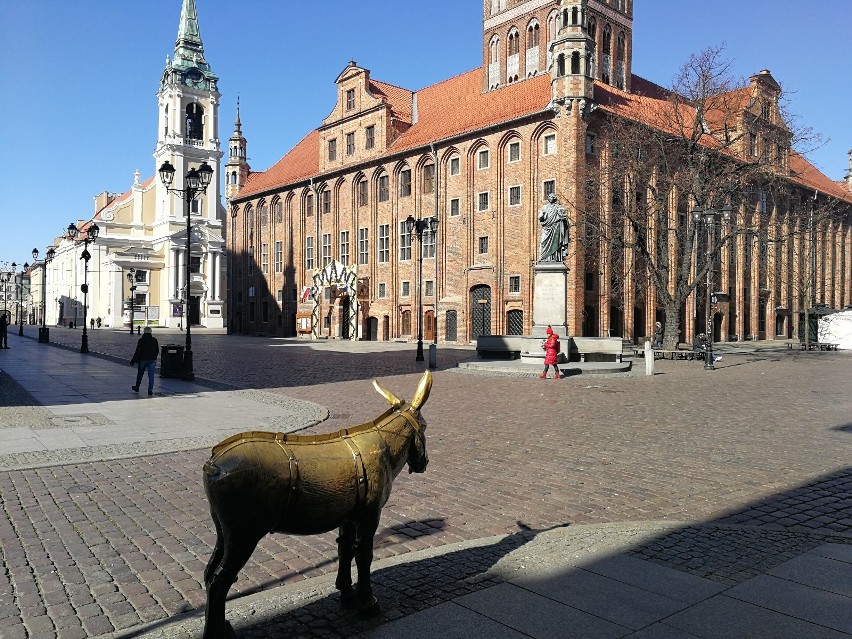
{"x":348,"y":599}
{"x":370,"y":608}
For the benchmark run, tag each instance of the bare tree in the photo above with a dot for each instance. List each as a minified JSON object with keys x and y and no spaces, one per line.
{"x":707,"y":143}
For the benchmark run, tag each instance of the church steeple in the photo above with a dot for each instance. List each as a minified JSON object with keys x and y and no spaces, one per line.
{"x":188,"y":66}
{"x":572,"y":53}
{"x":237,"y":167}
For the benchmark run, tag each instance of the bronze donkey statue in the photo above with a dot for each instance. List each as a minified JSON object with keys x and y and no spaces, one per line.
{"x":259,"y":483}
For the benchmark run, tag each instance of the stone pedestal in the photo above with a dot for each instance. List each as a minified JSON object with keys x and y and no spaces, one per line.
{"x":550,"y":288}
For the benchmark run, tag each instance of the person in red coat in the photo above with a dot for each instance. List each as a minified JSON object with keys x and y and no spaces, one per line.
{"x":551,"y":353}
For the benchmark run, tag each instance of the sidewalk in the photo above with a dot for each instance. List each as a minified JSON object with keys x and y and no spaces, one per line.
{"x":93,"y":414}
{"x":644,"y":580}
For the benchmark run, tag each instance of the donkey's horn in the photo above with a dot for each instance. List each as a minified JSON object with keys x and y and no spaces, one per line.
{"x":422,"y":392}
{"x":393,"y":400}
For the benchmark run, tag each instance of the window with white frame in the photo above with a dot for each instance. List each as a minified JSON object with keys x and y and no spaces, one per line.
{"x":549,"y":145}
{"x":404,"y":241}
{"x":483,"y":245}
{"x":383,"y":290}
{"x":514,"y":283}
{"x":326,"y":248}
{"x":279,"y":255}
{"x":482,"y":159}
{"x":406,"y":289}
{"x":429,"y":288}
{"x":482,"y":201}
{"x":326,"y":202}
{"x":455,"y":207}
{"x":514,"y":152}
{"x":309,"y":253}
{"x":455,"y":166}
{"x":264,"y":258}
{"x":515,"y":195}
{"x":363,"y":245}
{"x":344,"y":247}
{"x":549,"y":187}
{"x":384,"y":242}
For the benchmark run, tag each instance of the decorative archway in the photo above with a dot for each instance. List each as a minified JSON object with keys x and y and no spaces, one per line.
{"x":345,"y":280}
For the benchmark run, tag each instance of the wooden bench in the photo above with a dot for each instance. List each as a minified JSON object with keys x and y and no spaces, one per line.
{"x":683,"y":351}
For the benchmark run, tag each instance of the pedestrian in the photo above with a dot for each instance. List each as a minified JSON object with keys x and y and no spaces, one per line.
{"x":658,"y":336}
{"x":699,"y":344}
{"x":4,"y":330}
{"x":92,"y":323}
{"x":145,"y":359}
{"x":99,"y":322}
{"x":551,"y":353}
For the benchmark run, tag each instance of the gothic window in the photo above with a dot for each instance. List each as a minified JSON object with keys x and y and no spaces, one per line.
{"x":592,"y":28}
{"x":575,"y":16}
{"x":405,"y":183}
{"x":533,"y":48}
{"x":384,"y":188}
{"x":326,"y":202}
{"x":363,"y":192}
{"x":533,"y":36}
{"x":455,"y":166}
{"x":606,"y":57}
{"x":575,"y":63}
{"x":309,"y":205}
{"x":279,"y":214}
{"x":513,"y":59}
{"x":494,"y":63}
{"x":233,"y":177}
{"x":429,"y":178}
{"x":560,"y":65}
{"x":194,"y":121}
{"x":619,"y":62}
{"x":264,"y":214}
{"x":514,"y":45}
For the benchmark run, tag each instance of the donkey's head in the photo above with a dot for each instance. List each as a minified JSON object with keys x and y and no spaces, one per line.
{"x":417,"y":455}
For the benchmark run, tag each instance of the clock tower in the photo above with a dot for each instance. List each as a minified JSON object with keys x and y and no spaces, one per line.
{"x":188,"y":102}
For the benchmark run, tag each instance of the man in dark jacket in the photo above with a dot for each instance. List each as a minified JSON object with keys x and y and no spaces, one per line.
{"x":145,"y":358}
{"x":4,"y":330}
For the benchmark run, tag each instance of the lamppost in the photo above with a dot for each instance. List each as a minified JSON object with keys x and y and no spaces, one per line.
{"x":196,"y":182}
{"x":91,"y":235}
{"x":130,"y":276}
{"x":20,"y":288}
{"x":419,"y":226}
{"x":43,"y":331}
{"x":708,"y":218}
{"x":5,"y":278}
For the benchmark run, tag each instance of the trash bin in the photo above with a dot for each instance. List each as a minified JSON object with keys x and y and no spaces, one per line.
{"x":171,"y":360}
{"x":43,"y":335}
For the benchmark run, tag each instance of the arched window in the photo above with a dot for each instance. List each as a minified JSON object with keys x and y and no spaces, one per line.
{"x":494,"y":63}
{"x":194,"y":121}
{"x":593,"y":28}
{"x":233,"y":177}
{"x":514,"y":58}
{"x":533,"y":48}
{"x":575,"y":16}
{"x":166,"y":121}
{"x":619,"y":61}
{"x":560,"y":65}
{"x":606,"y":54}
{"x":277,"y":210}
{"x":533,"y":36}
{"x":514,"y":45}
{"x":575,"y":63}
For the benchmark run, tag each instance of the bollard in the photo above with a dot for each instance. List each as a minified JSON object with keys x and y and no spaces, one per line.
{"x":138,"y":330}
{"x":649,"y":359}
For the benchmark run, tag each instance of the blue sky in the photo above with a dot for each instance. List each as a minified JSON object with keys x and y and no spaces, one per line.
{"x":79,"y":79}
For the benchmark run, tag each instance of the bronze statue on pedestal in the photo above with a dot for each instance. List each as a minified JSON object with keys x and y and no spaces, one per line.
{"x":259,"y":482}
{"x":554,"y":231}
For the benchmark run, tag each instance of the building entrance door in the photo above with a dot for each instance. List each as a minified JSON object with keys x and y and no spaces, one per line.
{"x":194,"y":311}
{"x":480,"y":311}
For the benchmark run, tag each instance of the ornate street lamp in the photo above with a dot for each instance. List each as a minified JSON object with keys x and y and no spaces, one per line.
{"x":20,"y":288}
{"x":419,"y":226}
{"x":43,"y":331}
{"x":91,"y":235}
{"x":130,"y":276}
{"x":708,"y":218}
{"x":196,"y":182}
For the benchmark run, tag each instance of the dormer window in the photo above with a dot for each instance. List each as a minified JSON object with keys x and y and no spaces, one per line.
{"x":350,"y":100}
{"x":764,"y":109}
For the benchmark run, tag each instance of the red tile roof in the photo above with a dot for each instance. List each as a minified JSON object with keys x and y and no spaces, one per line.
{"x":444,"y":109}
{"x":458,"y":105}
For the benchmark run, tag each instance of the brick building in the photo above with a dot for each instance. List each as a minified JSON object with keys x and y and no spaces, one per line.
{"x":319,"y":242}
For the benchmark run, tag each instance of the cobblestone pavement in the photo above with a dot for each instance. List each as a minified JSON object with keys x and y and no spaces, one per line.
{"x":755,"y":456}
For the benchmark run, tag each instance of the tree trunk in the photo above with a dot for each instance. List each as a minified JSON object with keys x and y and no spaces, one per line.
{"x":671,"y":329}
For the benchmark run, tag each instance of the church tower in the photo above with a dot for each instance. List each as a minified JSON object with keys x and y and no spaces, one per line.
{"x":237,"y":167}
{"x":188,"y":102}
{"x":572,"y":54}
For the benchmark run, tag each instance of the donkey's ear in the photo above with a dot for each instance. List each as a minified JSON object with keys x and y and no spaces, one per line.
{"x":422,"y":392}
{"x":393,"y":400}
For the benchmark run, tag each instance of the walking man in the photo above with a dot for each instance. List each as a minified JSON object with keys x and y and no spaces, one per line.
{"x":4,"y":330}
{"x":145,"y":359}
